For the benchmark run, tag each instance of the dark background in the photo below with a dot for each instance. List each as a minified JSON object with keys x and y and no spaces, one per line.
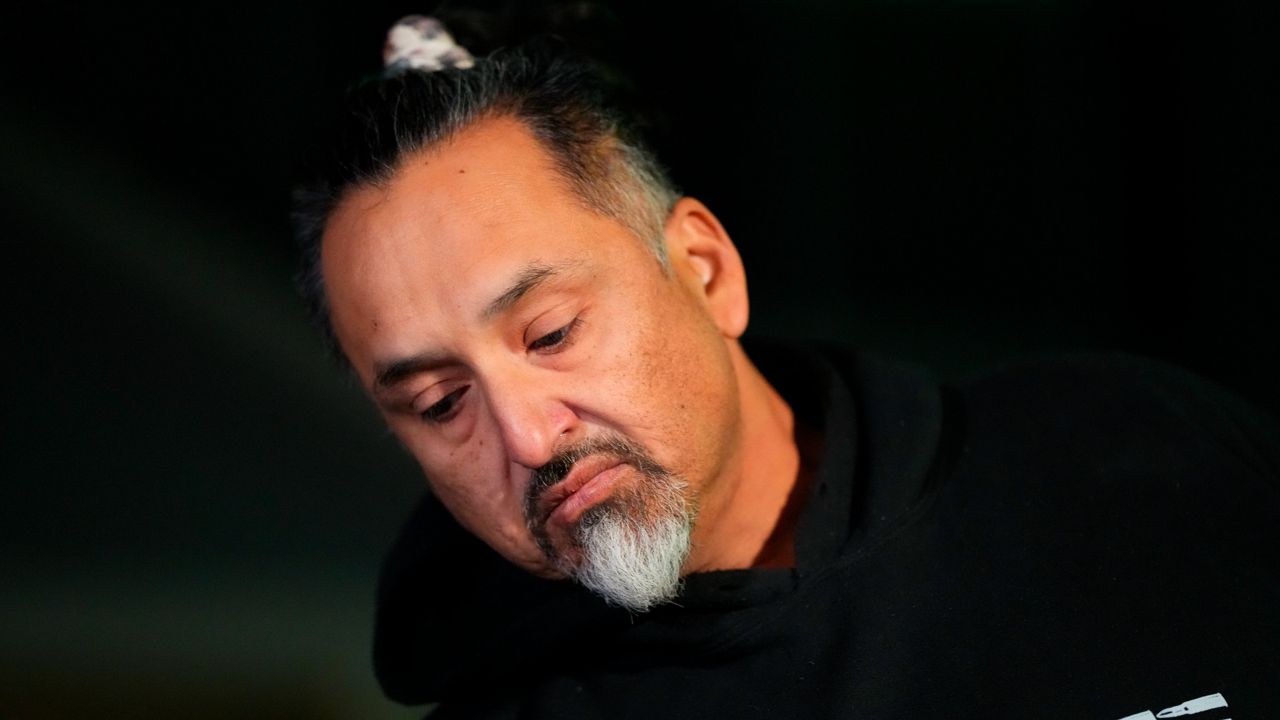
{"x":193,"y":502}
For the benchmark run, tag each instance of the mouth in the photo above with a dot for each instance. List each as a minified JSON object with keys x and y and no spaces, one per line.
{"x":583,"y":484}
{"x":592,"y":479}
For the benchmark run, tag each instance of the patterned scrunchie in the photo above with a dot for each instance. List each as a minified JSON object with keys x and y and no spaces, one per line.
{"x":419,"y":42}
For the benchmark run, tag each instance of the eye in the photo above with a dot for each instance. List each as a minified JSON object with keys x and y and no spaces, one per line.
{"x":557,"y":339}
{"x":444,"y":410}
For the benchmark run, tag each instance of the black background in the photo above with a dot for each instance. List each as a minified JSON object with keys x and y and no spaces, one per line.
{"x":193,"y":501}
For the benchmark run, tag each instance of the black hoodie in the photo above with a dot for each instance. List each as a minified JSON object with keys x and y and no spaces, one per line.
{"x":1087,"y":537}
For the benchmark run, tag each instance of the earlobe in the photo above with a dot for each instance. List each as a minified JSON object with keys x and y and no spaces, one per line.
{"x":705,"y":259}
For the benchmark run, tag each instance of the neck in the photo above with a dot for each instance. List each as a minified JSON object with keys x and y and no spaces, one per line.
{"x":750,"y":518}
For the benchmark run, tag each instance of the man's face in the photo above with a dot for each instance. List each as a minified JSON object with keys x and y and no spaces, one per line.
{"x":510,"y":336}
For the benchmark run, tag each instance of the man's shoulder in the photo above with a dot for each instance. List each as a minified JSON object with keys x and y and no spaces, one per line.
{"x":1105,"y":404}
{"x":1123,"y":511}
{"x":1109,"y":453}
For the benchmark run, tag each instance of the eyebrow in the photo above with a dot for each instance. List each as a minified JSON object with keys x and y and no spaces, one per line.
{"x":390,"y":374}
{"x":533,"y":275}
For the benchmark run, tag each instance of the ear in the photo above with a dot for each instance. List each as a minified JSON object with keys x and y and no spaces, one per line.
{"x":706,"y":262}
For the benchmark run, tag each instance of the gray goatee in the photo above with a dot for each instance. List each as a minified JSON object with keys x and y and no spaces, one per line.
{"x":634,"y":543}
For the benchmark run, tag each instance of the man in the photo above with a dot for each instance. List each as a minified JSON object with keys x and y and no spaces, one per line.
{"x":553,"y":334}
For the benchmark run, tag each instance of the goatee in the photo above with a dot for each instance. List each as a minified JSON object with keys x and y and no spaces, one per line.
{"x":630,"y":547}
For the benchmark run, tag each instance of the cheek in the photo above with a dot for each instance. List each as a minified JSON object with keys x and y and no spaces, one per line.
{"x":670,"y":371}
{"x":463,"y":480}
{"x":472,"y":482}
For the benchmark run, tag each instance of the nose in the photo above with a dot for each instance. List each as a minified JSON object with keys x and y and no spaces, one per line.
{"x":531,"y":416}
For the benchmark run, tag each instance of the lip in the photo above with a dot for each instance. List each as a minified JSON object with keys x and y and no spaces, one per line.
{"x":588,"y":482}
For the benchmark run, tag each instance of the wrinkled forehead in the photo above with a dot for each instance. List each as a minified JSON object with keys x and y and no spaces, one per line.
{"x":441,"y":236}
{"x":491,"y":177}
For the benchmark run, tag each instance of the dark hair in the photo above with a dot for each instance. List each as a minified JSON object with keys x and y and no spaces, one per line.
{"x":561,"y":99}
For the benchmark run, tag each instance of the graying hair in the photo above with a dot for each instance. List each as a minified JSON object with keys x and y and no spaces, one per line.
{"x":563,"y":103}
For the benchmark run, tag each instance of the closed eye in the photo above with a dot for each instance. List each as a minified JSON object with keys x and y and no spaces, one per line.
{"x":444,"y":410}
{"x":556,"y":340}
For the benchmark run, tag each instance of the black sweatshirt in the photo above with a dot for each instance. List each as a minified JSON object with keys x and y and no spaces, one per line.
{"x":1087,"y":537}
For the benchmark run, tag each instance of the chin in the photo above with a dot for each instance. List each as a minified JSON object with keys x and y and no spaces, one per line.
{"x":630,"y":562}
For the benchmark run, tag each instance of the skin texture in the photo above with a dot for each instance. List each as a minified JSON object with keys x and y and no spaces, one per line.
{"x":605,"y":341}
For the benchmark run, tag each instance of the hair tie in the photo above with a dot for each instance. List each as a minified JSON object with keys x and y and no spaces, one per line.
{"x":419,"y":42}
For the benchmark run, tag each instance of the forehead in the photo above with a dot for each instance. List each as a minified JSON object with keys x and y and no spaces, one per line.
{"x":493,"y":174}
{"x":452,"y":225}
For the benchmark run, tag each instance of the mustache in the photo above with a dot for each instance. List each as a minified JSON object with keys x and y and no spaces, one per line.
{"x":559,"y":466}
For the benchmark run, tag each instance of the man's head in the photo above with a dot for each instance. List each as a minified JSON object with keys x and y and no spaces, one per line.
{"x":560,"y":100}
{"x":544,"y":329}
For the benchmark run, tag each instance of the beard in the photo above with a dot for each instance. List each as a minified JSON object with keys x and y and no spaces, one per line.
{"x":629,"y":548}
